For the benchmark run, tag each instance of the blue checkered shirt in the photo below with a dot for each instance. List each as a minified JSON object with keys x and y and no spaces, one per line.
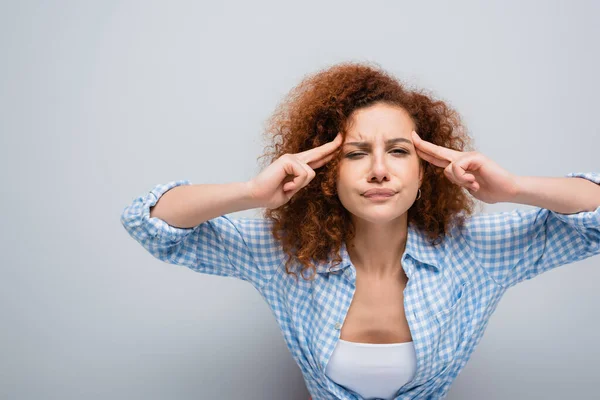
{"x":453,"y":287}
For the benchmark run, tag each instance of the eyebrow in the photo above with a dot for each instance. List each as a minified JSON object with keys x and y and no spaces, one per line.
{"x":368,"y":145}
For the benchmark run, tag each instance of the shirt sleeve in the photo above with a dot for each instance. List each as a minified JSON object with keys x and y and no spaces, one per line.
{"x":242,"y":248}
{"x":517,"y":245}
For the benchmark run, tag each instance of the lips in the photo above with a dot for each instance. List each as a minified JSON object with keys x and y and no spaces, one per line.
{"x":379,"y":192}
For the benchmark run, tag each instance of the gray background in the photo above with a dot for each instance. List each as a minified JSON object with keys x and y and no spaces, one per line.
{"x":103,"y":100}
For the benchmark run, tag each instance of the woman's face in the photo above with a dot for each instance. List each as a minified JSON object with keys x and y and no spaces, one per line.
{"x":376,"y":163}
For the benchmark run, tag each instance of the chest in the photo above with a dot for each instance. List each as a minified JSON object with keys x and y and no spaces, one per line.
{"x":441,"y":310}
{"x":376,"y":313}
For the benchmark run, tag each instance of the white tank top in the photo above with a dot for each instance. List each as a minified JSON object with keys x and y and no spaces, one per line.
{"x":370,"y":369}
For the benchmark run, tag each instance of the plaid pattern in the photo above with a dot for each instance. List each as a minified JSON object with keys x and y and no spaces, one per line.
{"x":453,"y":287}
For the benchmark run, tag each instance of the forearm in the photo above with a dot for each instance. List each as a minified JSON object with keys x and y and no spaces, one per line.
{"x":566,"y":195}
{"x":187,"y":206}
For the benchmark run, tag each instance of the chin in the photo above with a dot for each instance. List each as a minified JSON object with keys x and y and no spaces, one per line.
{"x":379,"y":217}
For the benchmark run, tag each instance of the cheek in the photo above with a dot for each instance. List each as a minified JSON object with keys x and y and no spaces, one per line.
{"x":344,"y":187}
{"x":343,"y":176}
{"x":341,"y":186}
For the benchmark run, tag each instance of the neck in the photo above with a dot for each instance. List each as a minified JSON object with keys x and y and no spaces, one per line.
{"x":377,"y":249}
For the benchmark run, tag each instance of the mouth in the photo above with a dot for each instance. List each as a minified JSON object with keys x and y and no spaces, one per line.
{"x":379,"y":192}
{"x":380,"y":196}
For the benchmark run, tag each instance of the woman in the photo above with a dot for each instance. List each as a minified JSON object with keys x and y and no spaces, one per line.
{"x":369,"y":197}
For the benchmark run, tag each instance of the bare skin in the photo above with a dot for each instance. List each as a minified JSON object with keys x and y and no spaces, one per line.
{"x":376,"y":314}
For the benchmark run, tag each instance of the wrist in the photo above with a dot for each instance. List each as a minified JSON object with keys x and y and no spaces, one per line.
{"x":249,"y":194}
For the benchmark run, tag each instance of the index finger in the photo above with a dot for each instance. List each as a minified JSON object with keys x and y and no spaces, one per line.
{"x":433,"y":149}
{"x":319,"y":152}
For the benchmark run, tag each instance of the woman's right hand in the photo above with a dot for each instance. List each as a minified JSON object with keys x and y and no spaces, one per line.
{"x":281,"y":180}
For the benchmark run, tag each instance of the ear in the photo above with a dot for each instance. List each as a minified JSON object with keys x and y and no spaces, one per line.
{"x":420,"y":174}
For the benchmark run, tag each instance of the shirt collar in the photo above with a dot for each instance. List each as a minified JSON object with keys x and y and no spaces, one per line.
{"x":418,"y":246}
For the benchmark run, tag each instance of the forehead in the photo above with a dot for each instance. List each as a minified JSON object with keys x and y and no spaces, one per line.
{"x":379,"y":122}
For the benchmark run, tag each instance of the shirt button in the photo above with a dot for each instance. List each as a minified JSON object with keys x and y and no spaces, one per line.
{"x":338,"y":325}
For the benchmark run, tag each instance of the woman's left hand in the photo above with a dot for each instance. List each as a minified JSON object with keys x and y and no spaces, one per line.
{"x":482,"y":177}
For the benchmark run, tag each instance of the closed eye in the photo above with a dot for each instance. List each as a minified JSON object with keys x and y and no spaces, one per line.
{"x":356,"y":154}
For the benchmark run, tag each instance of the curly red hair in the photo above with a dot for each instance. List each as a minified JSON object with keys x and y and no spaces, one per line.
{"x":313,"y":224}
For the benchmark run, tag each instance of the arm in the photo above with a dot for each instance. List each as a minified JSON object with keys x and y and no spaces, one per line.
{"x":521,"y":244}
{"x":186,"y":206}
{"x":565,"y":195}
{"x":563,"y":227}
{"x":242,"y":248}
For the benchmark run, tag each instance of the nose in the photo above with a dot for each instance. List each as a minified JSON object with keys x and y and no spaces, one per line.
{"x":379,"y":169}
